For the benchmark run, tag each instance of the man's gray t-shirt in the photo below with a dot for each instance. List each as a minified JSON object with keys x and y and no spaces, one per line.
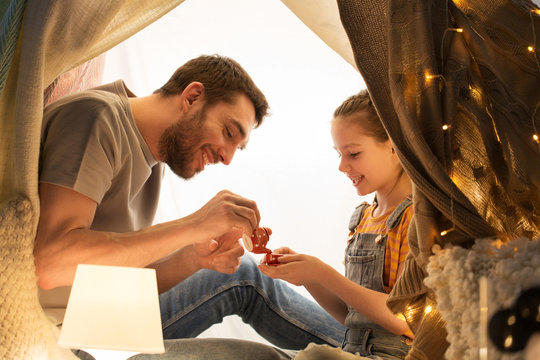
{"x":90,"y":144}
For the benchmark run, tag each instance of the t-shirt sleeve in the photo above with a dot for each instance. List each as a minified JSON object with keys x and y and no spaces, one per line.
{"x":77,"y":149}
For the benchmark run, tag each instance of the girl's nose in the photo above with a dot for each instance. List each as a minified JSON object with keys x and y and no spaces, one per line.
{"x":343,"y":166}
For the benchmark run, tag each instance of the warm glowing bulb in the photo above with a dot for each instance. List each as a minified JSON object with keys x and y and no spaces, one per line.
{"x":530,"y":48}
{"x":536,"y":138}
{"x":508,"y":341}
{"x":429,"y":77}
{"x":445,"y":232}
{"x":428,"y":309}
{"x":459,"y":30}
{"x":410,"y":312}
{"x":536,"y":11}
{"x":445,"y":127}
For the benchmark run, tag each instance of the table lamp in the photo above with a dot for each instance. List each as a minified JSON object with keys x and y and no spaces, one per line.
{"x":113,"y":312}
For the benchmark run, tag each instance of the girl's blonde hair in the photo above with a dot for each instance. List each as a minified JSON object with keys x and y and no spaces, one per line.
{"x":359,"y":109}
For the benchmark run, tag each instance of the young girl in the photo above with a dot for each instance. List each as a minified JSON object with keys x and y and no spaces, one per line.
{"x":377,"y":244}
{"x":376,"y":249}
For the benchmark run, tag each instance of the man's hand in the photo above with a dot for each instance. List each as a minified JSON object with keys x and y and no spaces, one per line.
{"x":223,"y":254}
{"x":224,"y":212}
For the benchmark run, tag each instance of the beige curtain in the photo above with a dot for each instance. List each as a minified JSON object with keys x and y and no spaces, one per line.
{"x":322,"y":17}
{"x":56,"y":37}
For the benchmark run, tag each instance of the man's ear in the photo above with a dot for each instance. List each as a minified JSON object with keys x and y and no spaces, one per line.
{"x":192,"y":93}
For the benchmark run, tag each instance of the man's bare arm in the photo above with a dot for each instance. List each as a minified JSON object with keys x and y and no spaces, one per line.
{"x":64,"y":238}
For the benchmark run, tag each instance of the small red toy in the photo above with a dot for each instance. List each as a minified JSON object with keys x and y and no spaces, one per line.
{"x":272,"y":259}
{"x":258,"y":240}
{"x":256,"y":243}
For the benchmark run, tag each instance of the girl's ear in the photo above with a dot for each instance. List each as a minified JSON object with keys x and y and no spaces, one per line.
{"x":193,"y":93}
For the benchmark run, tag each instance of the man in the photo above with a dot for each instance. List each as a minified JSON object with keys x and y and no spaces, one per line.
{"x":101,"y":166}
{"x":100,"y":170}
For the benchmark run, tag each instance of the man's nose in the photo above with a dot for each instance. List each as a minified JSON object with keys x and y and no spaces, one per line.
{"x":226,"y":154}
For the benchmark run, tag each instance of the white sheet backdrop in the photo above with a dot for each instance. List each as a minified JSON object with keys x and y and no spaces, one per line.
{"x":289,"y":166}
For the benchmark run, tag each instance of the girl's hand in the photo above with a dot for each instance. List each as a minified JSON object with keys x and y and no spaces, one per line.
{"x":297,"y":269}
{"x":283,"y":250}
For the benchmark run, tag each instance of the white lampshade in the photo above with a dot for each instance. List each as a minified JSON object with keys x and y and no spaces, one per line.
{"x":113,"y":308}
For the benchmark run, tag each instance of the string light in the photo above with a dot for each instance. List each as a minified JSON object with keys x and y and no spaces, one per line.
{"x":535,"y":136}
{"x":430,"y":76}
{"x":428,"y":309}
{"x":445,"y":232}
{"x":445,"y":127}
{"x":508,"y":341}
{"x":531,"y":47}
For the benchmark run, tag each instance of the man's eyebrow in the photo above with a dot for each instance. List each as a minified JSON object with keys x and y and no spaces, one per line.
{"x":239,"y":127}
{"x":240,"y":130}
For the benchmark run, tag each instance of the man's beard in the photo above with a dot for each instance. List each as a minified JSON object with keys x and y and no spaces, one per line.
{"x":180,"y":143}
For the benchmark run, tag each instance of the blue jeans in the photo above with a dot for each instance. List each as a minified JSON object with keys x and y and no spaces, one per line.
{"x":272,"y":308}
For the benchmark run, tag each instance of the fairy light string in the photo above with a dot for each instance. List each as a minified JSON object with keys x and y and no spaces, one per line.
{"x":532,"y":50}
{"x":446,"y":127}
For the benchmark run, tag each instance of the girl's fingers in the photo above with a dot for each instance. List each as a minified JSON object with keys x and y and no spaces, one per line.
{"x":289,"y":258}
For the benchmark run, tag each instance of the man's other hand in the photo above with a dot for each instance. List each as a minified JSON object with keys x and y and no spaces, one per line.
{"x":222,"y":254}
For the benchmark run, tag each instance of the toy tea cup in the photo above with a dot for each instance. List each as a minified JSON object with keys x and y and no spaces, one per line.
{"x":256,"y":243}
{"x":272,"y":259}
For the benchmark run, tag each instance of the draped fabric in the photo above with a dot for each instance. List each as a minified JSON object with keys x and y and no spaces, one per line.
{"x":84,"y":76}
{"x":55,"y":36}
{"x":481,"y":176}
{"x":478,"y":178}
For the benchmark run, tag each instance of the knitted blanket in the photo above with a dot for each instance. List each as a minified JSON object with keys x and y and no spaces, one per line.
{"x":26,"y":333}
{"x":454,"y":275}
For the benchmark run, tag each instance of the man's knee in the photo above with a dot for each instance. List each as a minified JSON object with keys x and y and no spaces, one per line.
{"x":248,"y":268}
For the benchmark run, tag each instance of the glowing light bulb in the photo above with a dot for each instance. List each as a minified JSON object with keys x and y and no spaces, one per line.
{"x":508,"y":341}
{"x":445,"y":127}
{"x":428,"y":309}
{"x":445,"y":232}
{"x":530,"y":48}
{"x":536,"y":11}
{"x":536,"y":138}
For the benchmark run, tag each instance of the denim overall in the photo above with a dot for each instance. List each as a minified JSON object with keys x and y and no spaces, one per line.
{"x":364,"y":264}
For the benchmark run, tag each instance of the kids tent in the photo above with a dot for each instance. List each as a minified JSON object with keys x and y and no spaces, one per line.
{"x":456,"y":84}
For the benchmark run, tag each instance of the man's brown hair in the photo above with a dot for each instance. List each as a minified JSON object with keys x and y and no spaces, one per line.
{"x":223,"y":78}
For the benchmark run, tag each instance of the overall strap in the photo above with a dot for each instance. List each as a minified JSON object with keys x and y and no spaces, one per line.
{"x":397,"y":214}
{"x":357,"y":216}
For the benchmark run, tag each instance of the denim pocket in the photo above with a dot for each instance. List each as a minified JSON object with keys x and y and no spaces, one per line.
{"x":360,"y":268}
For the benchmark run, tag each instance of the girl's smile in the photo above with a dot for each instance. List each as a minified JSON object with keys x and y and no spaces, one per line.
{"x":370,"y":163}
